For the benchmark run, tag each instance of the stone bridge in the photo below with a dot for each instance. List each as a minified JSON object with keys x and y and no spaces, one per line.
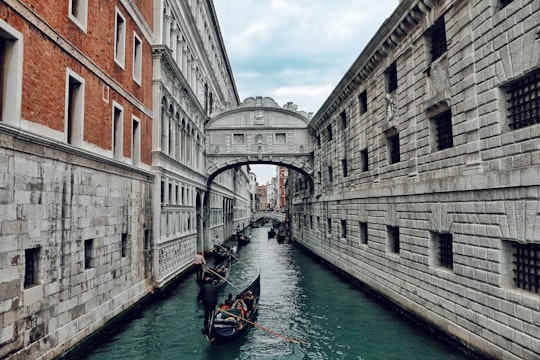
{"x":269,"y":215}
{"x":259,"y":131}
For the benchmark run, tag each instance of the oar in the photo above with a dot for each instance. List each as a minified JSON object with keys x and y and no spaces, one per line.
{"x":265,"y":328}
{"x":221,"y":277}
{"x":228,"y":252}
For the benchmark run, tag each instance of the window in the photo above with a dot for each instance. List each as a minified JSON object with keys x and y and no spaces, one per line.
{"x":238,"y":139}
{"x":442,"y":126}
{"x":281,"y":138}
{"x":74,"y":112}
{"x":364,"y":166}
{"x":88,"y":253}
{"x":344,"y":167}
{"x":162,"y":192}
{"x":124,"y":244}
{"x":137,"y":59}
{"x":78,"y":12}
{"x":436,"y":40}
{"x":441,"y":250}
{"x":31,"y":267}
{"x":503,"y":3}
{"x":117,"y":136}
{"x":329,"y":132}
{"x":170,"y":194}
{"x":390,"y":77}
{"x":343,"y":117}
{"x":120,"y":39}
{"x":523,"y":101}
{"x":393,"y":239}
{"x":363,"y":233}
{"x":330,"y":175}
{"x":362,"y":102}
{"x":135,"y":141}
{"x":393,"y":149}
{"x":343,"y":228}
{"x":328,"y":225}
{"x":526,"y":266}
{"x":11,"y":65}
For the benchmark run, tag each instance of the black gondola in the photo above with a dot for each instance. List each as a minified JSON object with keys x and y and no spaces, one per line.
{"x":271,"y":233}
{"x":243,"y":239}
{"x":229,"y":323}
{"x":219,"y":272}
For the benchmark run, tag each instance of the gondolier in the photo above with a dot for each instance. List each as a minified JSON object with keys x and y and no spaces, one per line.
{"x":199,"y":262}
{"x":209,"y":297}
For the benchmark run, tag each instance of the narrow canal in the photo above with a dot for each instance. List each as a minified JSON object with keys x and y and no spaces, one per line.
{"x":300,"y":299}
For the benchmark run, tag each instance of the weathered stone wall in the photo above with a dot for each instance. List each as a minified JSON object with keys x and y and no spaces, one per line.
{"x":483,"y":190}
{"x":54,"y":199}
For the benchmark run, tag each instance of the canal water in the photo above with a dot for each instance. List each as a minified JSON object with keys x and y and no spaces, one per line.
{"x":300,"y":299}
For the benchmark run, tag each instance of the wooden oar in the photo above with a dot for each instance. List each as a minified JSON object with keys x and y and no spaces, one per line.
{"x":228,"y":252}
{"x":221,"y":277}
{"x":265,"y":328}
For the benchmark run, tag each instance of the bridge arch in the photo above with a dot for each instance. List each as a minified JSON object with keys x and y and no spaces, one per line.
{"x":259,"y":131}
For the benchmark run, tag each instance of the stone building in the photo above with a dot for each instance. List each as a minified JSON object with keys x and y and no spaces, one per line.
{"x":103,"y":191}
{"x":427,"y":171}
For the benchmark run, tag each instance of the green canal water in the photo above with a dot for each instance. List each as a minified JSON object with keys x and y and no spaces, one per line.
{"x":300,"y":299}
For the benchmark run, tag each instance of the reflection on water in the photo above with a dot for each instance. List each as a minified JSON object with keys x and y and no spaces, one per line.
{"x":300,"y":300}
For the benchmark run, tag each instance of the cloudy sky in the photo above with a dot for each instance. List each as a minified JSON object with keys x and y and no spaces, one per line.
{"x":296,"y":50}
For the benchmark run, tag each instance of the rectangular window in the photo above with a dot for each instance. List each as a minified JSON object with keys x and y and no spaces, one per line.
{"x":503,"y":3}
{"x":330,"y":175}
{"x":135,"y":142}
{"x":124,"y":244}
{"x":329,"y":132}
{"x":281,"y":138}
{"x":442,"y":250}
{"x":11,"y":67}
{"x":393,"y":239}
{"x":176,"y":188}
{"x":436,"y":40}
{"x":442,"y":126}
{"x":170,"y":194}
{"x":343,"y":117}
{"x":363,"y":233}
{"x":526,"y":263}
{"x":238,"y":139}
{"x":31,"y":267}
{"x":343,"y":228}
{"x":120,"y":39}
{"x":364,"y":165}
{"x":74,"y":112}
{"x":88,"y":253}
{"x":390,"y":77}
{"x":328,"y":225}
{"x":393,"y":149}
{"x":162,"y":192}
{"x":137,"y":59}
{"x":78,"y":12}
{"x":118,"y":125}
{"x":362,"y":102}
{"x":344,"y":167}
{"x":523,"y":101}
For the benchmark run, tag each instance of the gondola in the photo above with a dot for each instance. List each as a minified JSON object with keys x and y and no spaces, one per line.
{"x":271,"y":233}
{"x":243,"y":239}
{"x":229,"y":323}
{"x":219,"y":272}
{"x":220,"y":253}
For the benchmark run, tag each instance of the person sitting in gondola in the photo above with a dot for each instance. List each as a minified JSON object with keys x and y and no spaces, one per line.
{"x":240,"y":305}
{"x":229,"y":300}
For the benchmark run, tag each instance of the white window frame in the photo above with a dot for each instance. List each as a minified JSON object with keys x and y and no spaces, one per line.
{"x":137,"y":59}
{"x":81,"y":18}
{"x":77,"y":131}
{"x":119,"y":39}
{"x":135,"y":140}
{"x":13,"y":75}
{"x":117,"y":138}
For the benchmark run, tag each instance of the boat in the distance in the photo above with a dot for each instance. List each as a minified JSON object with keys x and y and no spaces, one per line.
{"x":229,"y":322}
{"x":218,"y":273}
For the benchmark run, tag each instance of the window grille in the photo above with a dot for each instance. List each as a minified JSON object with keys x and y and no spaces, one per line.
{"x":438,"y":40}
{"x":443,"y":130}
{"x":524,"y":101}
{"x":391,"y":78}
{"x":527,"y":266}
{"x":393,"y":237}
{"x":446,"y":258}
{"x":393,"y":143}
{"x":31,"y":267}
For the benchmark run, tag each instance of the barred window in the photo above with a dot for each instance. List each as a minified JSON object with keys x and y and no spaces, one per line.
{"x":391,"y":78}
{"x":393,"y":239}
{"x":526,"y":261}
{"x":437,"y":36}
{"x":88,"y":253}
{"x":124,"y":244}
{"x":31,"y":267}
{"x":442,"y":249}
{"x":442,"y":124}
{"x":523,"y":101}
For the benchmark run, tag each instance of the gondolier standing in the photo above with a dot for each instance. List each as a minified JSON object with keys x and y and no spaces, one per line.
{"x":199,"y":262}
{"x":209,"y":297}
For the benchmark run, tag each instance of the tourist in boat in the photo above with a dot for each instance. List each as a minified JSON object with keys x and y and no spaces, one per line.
{"x":199,"y":263}
{"x":229,"y":300}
